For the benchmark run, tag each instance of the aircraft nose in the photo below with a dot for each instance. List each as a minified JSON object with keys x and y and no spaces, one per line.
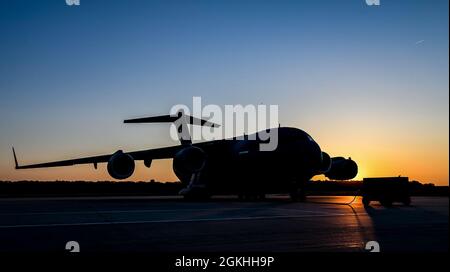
{"x":305,"y":156}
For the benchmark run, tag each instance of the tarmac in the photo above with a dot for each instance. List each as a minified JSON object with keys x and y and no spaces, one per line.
{"x":222,"y":224}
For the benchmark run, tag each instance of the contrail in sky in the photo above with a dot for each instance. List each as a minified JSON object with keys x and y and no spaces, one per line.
{"x":419,"y":42}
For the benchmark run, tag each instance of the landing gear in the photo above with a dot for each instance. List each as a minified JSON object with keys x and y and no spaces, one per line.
{"x":197,"y":195}
{"x":249,"y":196}
{"x":407,"y":201}
{"x":196,"y":190}
{"x":298,"y":195}
{"x":298,"y":191}
{"x":386,"y":202}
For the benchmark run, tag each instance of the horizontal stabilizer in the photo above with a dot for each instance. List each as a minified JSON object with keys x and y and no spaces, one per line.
{"x":170,"y":119}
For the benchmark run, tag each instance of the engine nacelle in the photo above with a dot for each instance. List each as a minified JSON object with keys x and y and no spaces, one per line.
{"x":121,"y":165}
{"x":188,"y":160}
{"x":342,"y":169}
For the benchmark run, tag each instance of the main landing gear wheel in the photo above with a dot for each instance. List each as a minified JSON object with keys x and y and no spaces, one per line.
{"x":196,"y":195}
{"x":407,"y":201}
{"x":196,"y":189}
{"x":386,"y":202}
{"x":298,"y":195}
{"x":251,"y":197}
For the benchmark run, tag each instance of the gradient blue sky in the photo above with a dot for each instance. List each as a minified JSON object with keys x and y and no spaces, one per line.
{"x":367,"y":82}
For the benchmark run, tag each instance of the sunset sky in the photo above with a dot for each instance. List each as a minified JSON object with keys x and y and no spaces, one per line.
{"x":366,"y":82}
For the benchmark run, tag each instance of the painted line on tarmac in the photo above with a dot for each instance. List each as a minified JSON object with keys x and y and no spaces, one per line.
{"x":174,"y":221}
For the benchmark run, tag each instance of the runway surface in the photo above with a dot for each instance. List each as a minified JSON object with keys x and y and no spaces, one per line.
{"x":150,"y":224}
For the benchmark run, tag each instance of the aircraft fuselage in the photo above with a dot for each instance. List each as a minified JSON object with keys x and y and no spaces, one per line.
{"x":237,"y":165}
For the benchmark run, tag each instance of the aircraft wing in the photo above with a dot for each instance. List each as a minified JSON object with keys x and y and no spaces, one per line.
{"x":150,"y":154}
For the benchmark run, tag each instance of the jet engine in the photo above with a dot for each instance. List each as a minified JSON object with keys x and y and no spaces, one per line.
{"x":120,"y":165}
{"x":188,"y":160}
{"x":342,"y":169}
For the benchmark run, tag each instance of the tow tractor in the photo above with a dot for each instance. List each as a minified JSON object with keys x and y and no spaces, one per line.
{"x":386,"y":190}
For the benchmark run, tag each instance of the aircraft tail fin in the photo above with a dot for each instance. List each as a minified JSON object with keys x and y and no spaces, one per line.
{"x":15,"y":158}
{"x":180,"y":120}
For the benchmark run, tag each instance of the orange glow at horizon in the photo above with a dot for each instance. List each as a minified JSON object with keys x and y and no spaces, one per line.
{"x":382,"y":148}
{"x":432,"y":169}
{"x":391,"y":151}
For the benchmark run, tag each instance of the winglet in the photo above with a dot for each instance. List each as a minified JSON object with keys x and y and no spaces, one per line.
{"x":15,"y":158}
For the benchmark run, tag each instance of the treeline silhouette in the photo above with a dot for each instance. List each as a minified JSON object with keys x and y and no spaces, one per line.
{"x":87,"y":188}
{"x":153,"y":188}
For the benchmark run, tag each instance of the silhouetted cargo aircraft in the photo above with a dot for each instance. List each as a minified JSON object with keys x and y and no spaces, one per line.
{"x":229,"y":165}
